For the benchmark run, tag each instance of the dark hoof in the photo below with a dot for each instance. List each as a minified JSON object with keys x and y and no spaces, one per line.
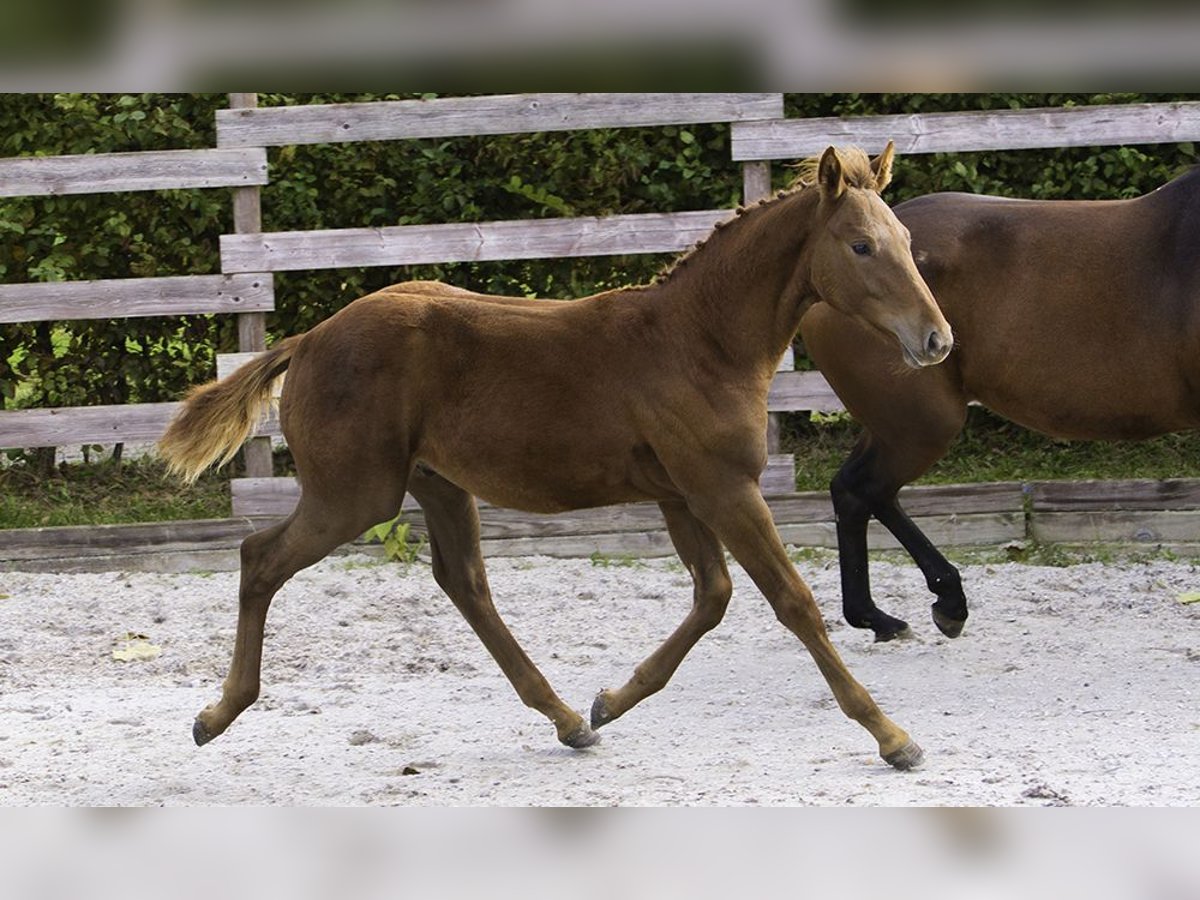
{"x":951,"y":628}
{"x":600,"y":713}
{"x":910,"y":756}
{"x":887,"y":628}
{"x":882,"y":635}
{"x":200,"y":734}
{"x":581,"y":737}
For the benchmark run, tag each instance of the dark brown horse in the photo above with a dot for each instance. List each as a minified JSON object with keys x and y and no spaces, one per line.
{"x":1079,"y":319}
{"x":651,"y":393}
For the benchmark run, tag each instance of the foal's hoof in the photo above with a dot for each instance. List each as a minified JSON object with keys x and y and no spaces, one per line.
{"x":951,"y":628}
{"x":581,"y":737}
{"x":200,"y":734}
{"x":910,"y":756}
{"x":600,"y":711}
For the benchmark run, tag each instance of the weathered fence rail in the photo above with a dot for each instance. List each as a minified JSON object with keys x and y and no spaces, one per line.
{"x":1013,"y":129}
{"x":467,"y":242}
{"x":480,"y":116}
{"x":1080,"y":514}
{"x":127,"y":298}
{"x":151,"y":170}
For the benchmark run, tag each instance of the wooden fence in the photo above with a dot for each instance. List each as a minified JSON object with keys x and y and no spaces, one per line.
{"x":1155,"y":515}
{"x":760,"y":135}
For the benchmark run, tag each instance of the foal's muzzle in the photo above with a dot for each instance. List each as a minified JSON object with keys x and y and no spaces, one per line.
{"x":935,"y":348}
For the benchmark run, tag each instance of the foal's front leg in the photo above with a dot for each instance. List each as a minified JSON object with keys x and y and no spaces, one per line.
{"x":453,"y":522}
{"x":704,"y":557}
{"x":743,"y":523}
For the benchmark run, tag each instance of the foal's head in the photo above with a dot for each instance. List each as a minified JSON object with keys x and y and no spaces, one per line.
{"x":862,"y":261}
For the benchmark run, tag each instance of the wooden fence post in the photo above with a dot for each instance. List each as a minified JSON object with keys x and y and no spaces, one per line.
{"x":252,"y":327}
{"x":756,"y":185}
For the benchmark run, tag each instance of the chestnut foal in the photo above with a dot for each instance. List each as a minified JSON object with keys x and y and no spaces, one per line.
{"x":656,"y":392}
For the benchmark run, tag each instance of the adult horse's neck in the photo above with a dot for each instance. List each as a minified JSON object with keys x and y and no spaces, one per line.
{"x":746,"y":287}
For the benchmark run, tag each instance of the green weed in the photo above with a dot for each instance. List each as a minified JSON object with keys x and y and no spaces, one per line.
{"x":398,"y":540}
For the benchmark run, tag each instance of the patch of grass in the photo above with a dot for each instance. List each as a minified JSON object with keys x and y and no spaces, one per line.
{"x":992,"y":449}
{"x":106,"y":492}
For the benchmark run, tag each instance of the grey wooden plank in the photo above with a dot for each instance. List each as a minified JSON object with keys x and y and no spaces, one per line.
{"x":132,"y":297}
{"x":84,"y":424}
{"x":957,"y":530}
{"x":278,"y":496}
{"x":91,"y":173}
{"x":1143,"y":526}
{"x":1174,"y":493}
{"x":793,"y":391}
{"x":779,"y":477}
{"x":175,"y":560}
{"x":1079,"y":126}
{"x":1002,"y":497}
{"x":466,"y":242}
{"x":496,"y":114}
{"x":106,"y":540}
{"x":65,"y":426}
{"x":984,"y":497}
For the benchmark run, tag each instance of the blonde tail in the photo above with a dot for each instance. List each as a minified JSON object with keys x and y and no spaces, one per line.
{"x":218,"y":417}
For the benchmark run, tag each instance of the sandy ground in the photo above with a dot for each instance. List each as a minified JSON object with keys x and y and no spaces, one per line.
{"x":1071,"y":686}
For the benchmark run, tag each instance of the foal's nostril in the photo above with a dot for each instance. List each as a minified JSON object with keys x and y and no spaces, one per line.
{"x":937,"y":344}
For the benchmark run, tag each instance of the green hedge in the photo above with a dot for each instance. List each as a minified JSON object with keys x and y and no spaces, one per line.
{"x":404,"y":182}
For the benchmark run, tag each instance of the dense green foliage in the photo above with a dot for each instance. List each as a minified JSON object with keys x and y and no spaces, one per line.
{"x":51,"y":364}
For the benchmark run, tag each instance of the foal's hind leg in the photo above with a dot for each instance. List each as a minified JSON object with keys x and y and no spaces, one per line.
{"x":269,"y":558}
{"x":704,"y":557}
{"x":453,"y":523}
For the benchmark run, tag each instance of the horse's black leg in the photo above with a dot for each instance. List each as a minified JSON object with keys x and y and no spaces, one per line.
{"x":950,"y":609}
{"x":853,"y":515}
{"x":860,"y":491}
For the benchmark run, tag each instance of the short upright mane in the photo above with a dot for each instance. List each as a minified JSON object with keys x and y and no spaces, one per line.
{"x":856,"y":169}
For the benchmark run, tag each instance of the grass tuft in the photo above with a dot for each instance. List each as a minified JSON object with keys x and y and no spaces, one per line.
{"x":106,"y":492}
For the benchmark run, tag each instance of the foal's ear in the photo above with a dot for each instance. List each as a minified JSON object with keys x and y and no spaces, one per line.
{"x":882,"y":166}
{"x":829,"y":175}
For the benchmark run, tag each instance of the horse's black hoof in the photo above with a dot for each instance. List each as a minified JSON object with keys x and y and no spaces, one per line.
{"x":889,"y":628}
{"x":581,"y":737}
{"x":951,"y":628}
{"x":885,"y":635}
{"x":910,"y":756}
{"x":200,"y":734}
{"x":600,"y":714}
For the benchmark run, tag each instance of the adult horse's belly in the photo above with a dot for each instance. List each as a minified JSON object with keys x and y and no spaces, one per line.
{"x":1069,"y":396}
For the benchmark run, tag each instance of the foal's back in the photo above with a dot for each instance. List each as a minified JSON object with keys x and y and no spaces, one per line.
{"x":532,"y":404}
{"x":1080,"y":319}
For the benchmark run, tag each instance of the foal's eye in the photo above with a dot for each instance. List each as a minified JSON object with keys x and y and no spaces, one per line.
{"x":862,"y":248}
